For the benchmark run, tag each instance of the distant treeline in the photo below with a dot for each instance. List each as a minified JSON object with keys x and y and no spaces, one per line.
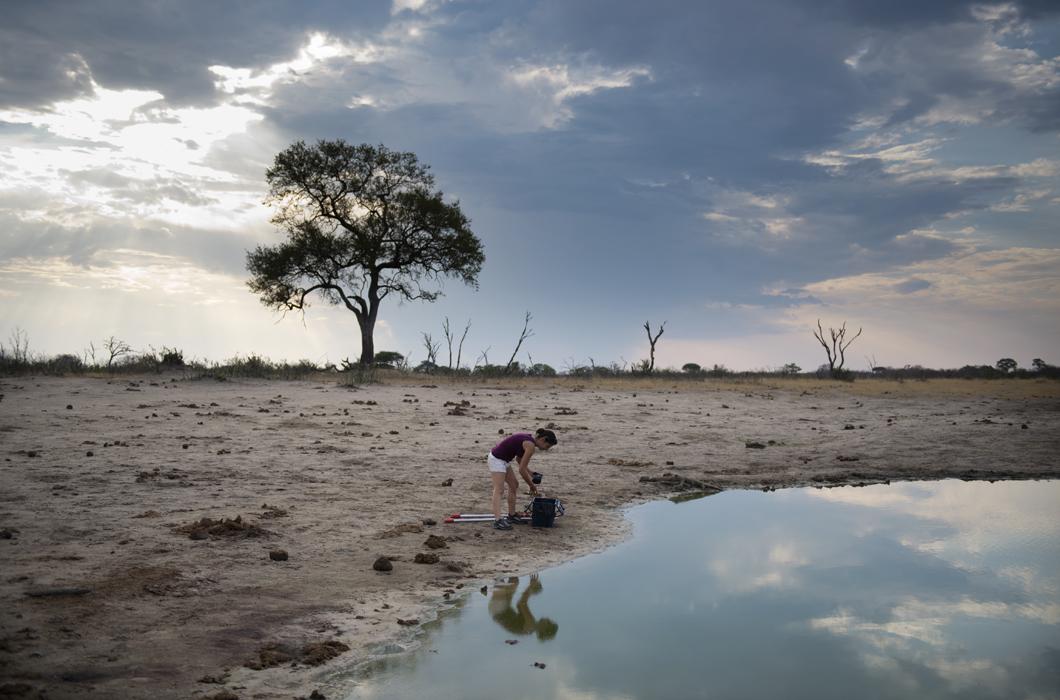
{"x":118,"y":358}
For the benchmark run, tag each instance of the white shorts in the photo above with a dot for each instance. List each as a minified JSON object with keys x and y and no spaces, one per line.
{"x":497,"y":464}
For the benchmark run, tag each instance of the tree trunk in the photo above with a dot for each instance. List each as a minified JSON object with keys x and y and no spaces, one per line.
{"x":367,"y":324}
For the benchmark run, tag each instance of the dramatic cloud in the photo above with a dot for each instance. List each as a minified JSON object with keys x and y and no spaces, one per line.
{"x":737,"y":170}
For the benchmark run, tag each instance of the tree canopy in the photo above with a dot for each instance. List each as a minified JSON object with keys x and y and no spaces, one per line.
{"x":362,"y":223}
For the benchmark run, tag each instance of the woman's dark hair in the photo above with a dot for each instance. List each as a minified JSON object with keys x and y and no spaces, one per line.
{"x":548,"y":435}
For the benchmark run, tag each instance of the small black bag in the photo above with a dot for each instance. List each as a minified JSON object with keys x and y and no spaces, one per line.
{"x":543,"y":511}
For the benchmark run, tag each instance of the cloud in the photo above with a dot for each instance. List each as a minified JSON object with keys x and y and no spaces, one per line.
{"x":911,"y":286}
{"x":831,"y":142}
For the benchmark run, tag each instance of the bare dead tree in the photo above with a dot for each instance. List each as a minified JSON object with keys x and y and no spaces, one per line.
{"x":836,"y":349}
{"x":653,"y":341}
{"x":88,"y":355}
{"x":432,"y":350}
{"x":484,"y":356}
{"x":448,"y":341}
{"x":115,"y":348}
{"x":460,"y":347}
{"x":526,"y":333}
{"x":19,"y":349}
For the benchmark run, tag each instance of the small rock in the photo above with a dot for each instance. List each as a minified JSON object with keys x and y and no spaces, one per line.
{"x":511,"y":641}
{"x":669,"y":463}
{"x":426,"y":558}
{"x":429,"y":522}
{"x":538,"y":664}
{"x":1024,"y":427}
{"x":184,"y":446}
{"x":408,"y":623}
{"x":752,"y":445}
{"x":69,"y":407}
{"x":90,"y":453}
{"x":31,"y":453}
{"x":447,"y":482}
{"x":382,"y":564}
{"x":278,"y":555}
{"x":848,"y":426}
{"x":435,"y":542}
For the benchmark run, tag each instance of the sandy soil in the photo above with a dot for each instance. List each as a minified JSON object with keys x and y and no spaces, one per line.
{"x":105,"y":592}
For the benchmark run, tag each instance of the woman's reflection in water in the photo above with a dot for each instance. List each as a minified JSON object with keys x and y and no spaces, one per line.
{"x":519,"y":620}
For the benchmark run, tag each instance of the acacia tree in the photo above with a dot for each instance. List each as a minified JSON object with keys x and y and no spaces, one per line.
{"x":362,"y":223}
{"x":836,"y":350}
{"x":1007,"y":365}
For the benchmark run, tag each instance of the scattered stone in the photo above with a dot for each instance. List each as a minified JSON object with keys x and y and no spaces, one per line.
{"x":31,"y":453}
{"x":435,"y":542}
{"x":848,"y":426}
{"x":511,"y":641}
{"x":69,"y":407}
{"x":230,"y":529}
{"x":842,"y":458}
{"x":447,"y":482}
{"x":8,"y":533}
{"x":538,"y":664}
{"x":316,"y":653}
{"x":90,"y":453}
{"x":669,"y":463}
{"x":1024,"y":427}
{"x":278,"y":555}
{"x":217,"y":680}
{"x":426,"y":558}
{"x":149,"y":514}
{"x":382,"y":564}
{"x":184,"y":446}
{"x":412,"y":621}
{"x":752,"y":445}
{"x":429,"y":522}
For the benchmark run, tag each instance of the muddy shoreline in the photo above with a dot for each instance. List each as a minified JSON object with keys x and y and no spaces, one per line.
{"x":110,"y":590}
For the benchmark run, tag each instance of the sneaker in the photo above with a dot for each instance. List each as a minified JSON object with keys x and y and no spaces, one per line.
{"x":502,"y":524}
{"x":517,"y":518}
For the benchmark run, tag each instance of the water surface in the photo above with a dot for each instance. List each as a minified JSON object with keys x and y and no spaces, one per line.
{"x":929,"y":590}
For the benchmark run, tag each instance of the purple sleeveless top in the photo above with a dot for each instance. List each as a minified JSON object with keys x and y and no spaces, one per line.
{"x":511,"y":447}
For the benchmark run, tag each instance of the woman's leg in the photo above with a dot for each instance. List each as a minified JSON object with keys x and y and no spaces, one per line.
{"x":513,"y":489}
{"x":498,"y":487}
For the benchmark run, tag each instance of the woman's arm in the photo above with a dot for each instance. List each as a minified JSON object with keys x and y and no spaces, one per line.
{"x":524,"y":468}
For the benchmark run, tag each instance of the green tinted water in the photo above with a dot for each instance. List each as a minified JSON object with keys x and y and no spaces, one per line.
{"x":916,"y":590}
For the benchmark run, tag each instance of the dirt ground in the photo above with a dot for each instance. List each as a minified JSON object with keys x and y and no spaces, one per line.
{"x":113,"y":585}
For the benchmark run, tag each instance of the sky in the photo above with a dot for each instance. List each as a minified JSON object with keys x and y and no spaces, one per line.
{"x":737,"y":170}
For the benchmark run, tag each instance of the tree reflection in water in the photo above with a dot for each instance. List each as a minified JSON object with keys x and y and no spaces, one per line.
{"x":518,"y":619}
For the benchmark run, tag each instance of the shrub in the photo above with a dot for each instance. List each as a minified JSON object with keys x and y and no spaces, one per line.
{"x":65,"y":364}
